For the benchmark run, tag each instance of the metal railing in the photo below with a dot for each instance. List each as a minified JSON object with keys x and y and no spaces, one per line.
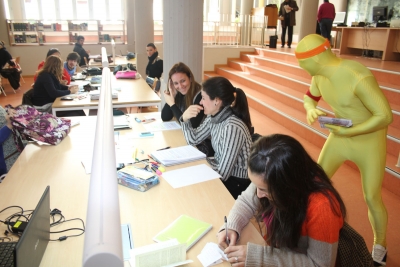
{"x":247,"y":30}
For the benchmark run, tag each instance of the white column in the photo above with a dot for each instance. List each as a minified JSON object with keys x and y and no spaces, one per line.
{"x":143,"y":32}
{"x":183,"y":35}
{"x":225,"y":11}
{"x":245,"y":11}
{"x":306,"y":18}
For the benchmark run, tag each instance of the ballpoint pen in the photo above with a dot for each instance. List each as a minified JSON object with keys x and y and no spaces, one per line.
{"x":164,"y":148}
{"x":148,"y":120}
{"x":226,"y":230}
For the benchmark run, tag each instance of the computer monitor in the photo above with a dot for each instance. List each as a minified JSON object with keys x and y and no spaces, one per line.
{"x":340,"y":18}
{"x":379,"y":13}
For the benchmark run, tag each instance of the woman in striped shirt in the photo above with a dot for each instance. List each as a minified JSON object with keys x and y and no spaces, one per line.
{"x":228,"y":124}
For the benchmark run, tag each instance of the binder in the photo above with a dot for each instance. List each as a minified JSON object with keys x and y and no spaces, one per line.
{"x":185,"y":229}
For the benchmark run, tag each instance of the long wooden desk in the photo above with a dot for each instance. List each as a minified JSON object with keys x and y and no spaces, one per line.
{"x":369,"y":38}
{"x":119,"y":60}
{"x":134,"y":93}
{"x":147,"y":212}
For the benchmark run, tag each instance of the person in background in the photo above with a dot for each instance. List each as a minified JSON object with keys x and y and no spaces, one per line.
{"x":12,"y":73}
{"x":84,"y":54}
{"x":9,"y":151}
{"x":184,"y":93}
{"x":66,"y":79}
{"x":154,"y":68}
{"x":302,"y":211}
{"x":228,"y":124}
{"x":326,"y":15}
{"x":48,"y":86}
{"x":288,"y":20}
{"x":70,"y":65}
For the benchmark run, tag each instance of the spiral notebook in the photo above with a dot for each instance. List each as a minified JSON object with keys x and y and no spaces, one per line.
{"x":178,"y":155}
{"x":185,"y":229}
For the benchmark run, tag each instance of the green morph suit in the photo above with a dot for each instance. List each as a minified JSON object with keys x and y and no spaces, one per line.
{"x":353,"y":93}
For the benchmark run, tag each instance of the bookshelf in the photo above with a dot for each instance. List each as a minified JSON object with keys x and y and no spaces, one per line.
{"x":37,"y":32}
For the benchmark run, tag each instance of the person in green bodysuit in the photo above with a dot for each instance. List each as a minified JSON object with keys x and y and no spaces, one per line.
{"x":353,"y":93}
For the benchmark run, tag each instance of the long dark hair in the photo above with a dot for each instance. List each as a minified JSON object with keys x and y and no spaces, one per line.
{"x":291,"y":176}
{"x":195,"y":87}
{"x":223,"y":89}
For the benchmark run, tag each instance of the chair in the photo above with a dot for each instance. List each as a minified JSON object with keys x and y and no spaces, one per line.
{"x":19,"y":67}
{"x":2,"y":88}
{"x":27,"y":97}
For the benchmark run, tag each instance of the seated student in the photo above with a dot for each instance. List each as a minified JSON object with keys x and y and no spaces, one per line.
{"x":228,"y":124}
{"x":183,"y":93}
{"x":302,"y":211}
{"x":13,"y":73}
{"x":154,"y":68}
{"x":9,"y":151}
{"x":66,"y":79}
{"x":84,"y":54}
{"x":70,"y":65}
{"x":48,"y":86}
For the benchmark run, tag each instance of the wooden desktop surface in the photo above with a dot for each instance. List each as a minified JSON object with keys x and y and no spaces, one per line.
{"x":119,"y":60}
{"x":147,"y":212}
{"x":134,"y":92}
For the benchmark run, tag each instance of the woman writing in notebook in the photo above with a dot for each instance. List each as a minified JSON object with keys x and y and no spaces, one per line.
{"x":293,"y":196}
{"x":183,"y":93}
{"x":228,"y":124}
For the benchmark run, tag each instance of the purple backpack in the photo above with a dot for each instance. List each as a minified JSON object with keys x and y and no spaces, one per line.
{"x":34,"y":125}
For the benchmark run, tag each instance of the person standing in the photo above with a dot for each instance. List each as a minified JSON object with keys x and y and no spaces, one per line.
{"x":84,"y":54}
{"x":326,"y":15}
{"x":287,"y":17}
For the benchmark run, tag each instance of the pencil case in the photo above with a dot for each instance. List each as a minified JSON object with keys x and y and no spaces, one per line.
{"x":137,"y":183}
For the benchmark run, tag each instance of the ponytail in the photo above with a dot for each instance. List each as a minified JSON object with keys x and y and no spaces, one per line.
{"x":241,"y":108}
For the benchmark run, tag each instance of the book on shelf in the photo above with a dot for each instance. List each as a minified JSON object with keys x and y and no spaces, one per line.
{"x":185,"y":229}
{"x":178,"y":155}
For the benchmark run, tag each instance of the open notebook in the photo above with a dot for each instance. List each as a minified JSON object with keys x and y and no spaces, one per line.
{"x":185,"y":229}
{"x":178,"y":155}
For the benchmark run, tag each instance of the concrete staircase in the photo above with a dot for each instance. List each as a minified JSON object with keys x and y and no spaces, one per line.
{"x":275,"y":85}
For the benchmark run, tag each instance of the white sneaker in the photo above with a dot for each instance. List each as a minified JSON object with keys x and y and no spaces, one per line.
{"x":379,"y":255}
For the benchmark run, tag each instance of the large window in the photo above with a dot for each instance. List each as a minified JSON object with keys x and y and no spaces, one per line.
{"x":64,"y":9}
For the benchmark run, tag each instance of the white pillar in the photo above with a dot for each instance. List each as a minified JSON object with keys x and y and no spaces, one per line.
{"x":183,"y":35}
{"x":306,"y":19}
{"x":245,"y":11}
{"x":225,"y":11}
{"x":144,"y":31}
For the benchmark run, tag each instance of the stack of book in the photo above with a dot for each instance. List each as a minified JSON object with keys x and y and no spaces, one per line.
{"x":178,"y":155}
{"x":138,"y":179}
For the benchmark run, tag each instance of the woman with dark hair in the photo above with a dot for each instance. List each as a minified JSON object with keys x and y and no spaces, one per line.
{"x":228,"y":124}
{"x":154,"y":68}
{"x":66,"y":79}
{"x":302,"y":211}
{"x":183,"y":92}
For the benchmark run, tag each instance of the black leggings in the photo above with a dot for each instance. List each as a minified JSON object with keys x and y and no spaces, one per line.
{"x":236,"y":185}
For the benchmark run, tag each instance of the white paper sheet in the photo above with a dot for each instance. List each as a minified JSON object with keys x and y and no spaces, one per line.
{"x":161,"y":126}
{"x":211,"y":255}
{"x":190,"y":175}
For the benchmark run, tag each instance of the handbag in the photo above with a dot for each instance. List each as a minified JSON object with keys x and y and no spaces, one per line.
{"x":34,"y":125}
{"x":129,"y":74}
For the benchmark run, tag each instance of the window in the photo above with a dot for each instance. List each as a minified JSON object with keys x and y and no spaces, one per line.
{"x":64,"y":9}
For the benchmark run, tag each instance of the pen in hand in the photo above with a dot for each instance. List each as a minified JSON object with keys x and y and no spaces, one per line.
{"x":226,"y":231}
{"x":168,"y":147}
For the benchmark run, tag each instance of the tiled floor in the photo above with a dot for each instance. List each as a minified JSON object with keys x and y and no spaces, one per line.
{"x":346,"y":180}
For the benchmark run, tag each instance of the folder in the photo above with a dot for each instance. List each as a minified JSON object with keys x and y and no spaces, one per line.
{"x":178,"y":155}
{"x":185,"y":229}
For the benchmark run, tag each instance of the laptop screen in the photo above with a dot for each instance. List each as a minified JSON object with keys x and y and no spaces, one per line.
{"x":33,"y":242}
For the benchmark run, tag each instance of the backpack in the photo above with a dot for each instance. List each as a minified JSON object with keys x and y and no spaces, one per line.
{"x":34,"y":125}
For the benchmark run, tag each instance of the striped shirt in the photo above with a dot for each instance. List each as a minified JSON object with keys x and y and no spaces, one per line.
{"x":230,"y":139}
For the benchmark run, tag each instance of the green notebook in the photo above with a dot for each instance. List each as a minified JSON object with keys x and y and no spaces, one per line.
{"x":185,"y":229}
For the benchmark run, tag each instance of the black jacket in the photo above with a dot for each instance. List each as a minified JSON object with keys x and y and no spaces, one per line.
{"x":47,"y":88}
{"x":82,"y":53}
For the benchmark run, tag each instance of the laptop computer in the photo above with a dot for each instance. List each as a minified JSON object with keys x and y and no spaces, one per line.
{"x":29,"y":249}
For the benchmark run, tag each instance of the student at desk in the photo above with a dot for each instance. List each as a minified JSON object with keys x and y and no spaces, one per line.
{"x":302,"y":211}
{"x":66,"y":79}
{"x":70,"y":65}
{"x":84,"y":54}
{"x":48,"y":86}
{"x":228,"y":125}
{"x":183,"y":93}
